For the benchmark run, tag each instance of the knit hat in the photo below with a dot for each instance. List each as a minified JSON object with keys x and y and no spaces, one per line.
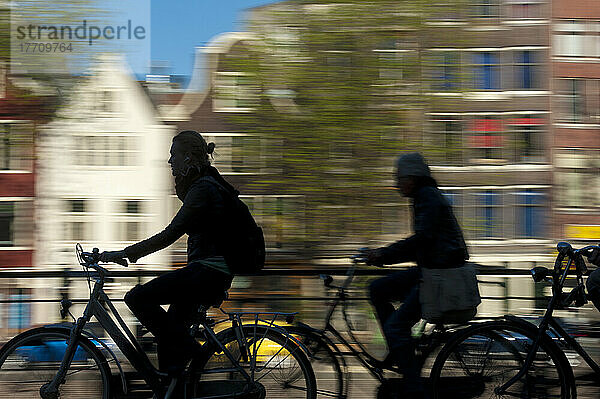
{"x":412,"y":164}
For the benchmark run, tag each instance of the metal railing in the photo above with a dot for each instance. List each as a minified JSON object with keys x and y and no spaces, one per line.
{"x":68,"y":275}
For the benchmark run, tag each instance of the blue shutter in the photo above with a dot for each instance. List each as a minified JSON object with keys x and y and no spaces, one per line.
{"x":526,"y":70}
{"x":531,"y":213}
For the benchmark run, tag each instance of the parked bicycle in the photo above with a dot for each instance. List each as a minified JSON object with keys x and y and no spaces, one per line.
{"x":251,"y":359}
{"x":511,"y":357}
{"x":330,"y":349}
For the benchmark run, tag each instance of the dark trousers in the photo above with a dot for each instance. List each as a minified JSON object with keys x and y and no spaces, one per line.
{"x":184,"y":290}
{"x":396,"y":324}
{"x":593,"y":287}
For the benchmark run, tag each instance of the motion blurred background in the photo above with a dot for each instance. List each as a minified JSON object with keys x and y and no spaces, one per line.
{"x":308,"y":103}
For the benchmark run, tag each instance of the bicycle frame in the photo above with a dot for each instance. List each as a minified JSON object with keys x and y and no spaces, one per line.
{"x":127,"y":343}
{"x":363,"y":356}
{"x":131,"y":348}
{"x":548,"y":322}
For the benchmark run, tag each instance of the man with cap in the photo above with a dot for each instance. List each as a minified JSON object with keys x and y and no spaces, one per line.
{"x":437,"y":242}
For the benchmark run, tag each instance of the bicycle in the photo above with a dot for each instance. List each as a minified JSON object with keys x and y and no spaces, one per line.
{"x":247,"y":360}
{"x":328,"y":358}
{"x":511,"y":357}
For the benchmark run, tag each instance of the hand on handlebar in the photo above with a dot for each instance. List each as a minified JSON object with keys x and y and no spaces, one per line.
{"x":594,"y":256}
{"x":372,"y":257}
{"x":115,"y":257}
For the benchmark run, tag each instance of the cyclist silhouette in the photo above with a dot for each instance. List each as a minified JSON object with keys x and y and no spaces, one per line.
{"x":437,"y":243}
{"x":206,"y":275}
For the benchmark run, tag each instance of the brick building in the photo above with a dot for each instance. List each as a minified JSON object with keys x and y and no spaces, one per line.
{"x":576,"y":120}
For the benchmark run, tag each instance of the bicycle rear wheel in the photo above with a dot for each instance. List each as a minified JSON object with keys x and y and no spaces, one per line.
{"x":32,"y":359}
{"x":483,"y":357}
{"x":274,"y":361}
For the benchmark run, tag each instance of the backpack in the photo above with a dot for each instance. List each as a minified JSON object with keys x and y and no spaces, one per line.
{"x":245,"y":242}
{"x":449,"y":296}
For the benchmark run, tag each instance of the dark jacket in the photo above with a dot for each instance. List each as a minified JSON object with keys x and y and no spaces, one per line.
{"x":438,"y":242}
{"x":200,"y":217}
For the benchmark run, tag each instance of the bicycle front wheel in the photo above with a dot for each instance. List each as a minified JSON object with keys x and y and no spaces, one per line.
{"x":481,"y":358}
{"x":32,"y":359}
{"x":275,"y":363}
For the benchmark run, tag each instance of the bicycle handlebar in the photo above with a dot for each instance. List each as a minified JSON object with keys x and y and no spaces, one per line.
{"x":587,"y":250}
{"x":91,"y":259}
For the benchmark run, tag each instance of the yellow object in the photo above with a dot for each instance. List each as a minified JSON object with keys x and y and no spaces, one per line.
{"x":589,"y":232}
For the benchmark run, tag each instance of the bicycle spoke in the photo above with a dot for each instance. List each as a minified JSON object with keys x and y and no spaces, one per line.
{"x":273,"y":369}
{"x":484,"y":357}
{"x":80,"y":369}
{"x":277,"y":364}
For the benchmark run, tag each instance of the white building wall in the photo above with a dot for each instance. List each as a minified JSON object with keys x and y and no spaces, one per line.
{"x":131,"y":149}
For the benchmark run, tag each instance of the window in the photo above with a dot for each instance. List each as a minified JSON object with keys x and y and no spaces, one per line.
{"x":524,"y":9}
{"x":16,"y":223}
{"x":19,"y":313}
{"x":486,"y":8}
{"x":130,"y":224}
{"x":530,"y":214}
{"x":578,"y":178}
{"x":286,"y":43}
{"x":527,"y":134}
{"x":105,"y":150}
{"x":486,"y":141}
{"x":108,"y":101}
{"x":77,"y":205}
{"x":525,"y":70}
{"x":7,"y":214}
{"x":446,"y":71}
{"x":578,"y":100}
{"x":236,"y":152}
{"x":77,"y":222}
{"x":234,"y":92}
{"x":486,"y":71}
{"x":16,"y":146}
{"x":489,"y":214}
{"x":573,"y":99}
{"x":576,"y":38}
{"x":446,"y":140}
{"x":395,"y":58}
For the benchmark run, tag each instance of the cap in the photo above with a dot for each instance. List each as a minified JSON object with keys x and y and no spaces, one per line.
{"x":412,"y":164}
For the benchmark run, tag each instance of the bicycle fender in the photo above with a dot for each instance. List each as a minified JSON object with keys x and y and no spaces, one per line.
{"x":526,"y":325}
{"x":276,"y":329}
{"x":305,"y":327}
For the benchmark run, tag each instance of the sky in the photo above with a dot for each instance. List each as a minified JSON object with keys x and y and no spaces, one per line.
{"x":178,"y":26}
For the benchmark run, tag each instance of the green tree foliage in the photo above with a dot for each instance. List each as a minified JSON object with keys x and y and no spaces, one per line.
{"x":338,"y":91}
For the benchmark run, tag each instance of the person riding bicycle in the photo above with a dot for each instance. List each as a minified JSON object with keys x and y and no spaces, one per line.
{"x":206,"y":276}
{"x":437,"y":243}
